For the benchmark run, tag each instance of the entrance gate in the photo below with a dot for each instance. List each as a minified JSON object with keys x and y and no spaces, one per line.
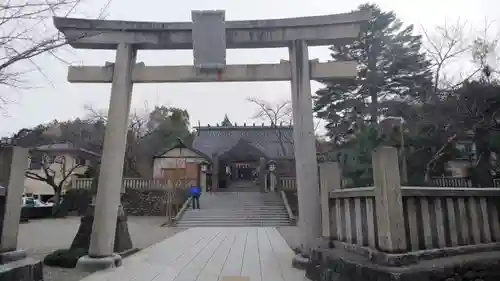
{"x":209,"y":35}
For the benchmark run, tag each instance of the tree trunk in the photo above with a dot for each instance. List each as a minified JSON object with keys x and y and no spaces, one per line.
{"x":373,"y":107}
{"x":57,"y":200}
{"x":482,"y":171}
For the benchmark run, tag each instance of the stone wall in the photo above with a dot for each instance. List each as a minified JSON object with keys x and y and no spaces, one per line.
{"x":151,"y":202}
{"x":136,"y":202}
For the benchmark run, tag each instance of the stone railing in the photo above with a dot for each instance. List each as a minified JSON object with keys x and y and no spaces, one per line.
{"x":451,"y":182}
{"x":287,"y":183}
{"x":394,"y":219}
{"x":438,"y":218}
{"x":138,"y":183}
{"x":457,"y":182}
{"x":390,"y":232}
{"x":353,"y":216}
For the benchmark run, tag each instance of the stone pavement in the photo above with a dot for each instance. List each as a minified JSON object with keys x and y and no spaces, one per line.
{"x":210,"y":254}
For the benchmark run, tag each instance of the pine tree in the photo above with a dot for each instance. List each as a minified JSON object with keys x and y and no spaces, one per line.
{"x":226,"y":122}
{"x":391,"y":67}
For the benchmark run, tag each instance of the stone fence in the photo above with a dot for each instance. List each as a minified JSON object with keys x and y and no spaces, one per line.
{"x":141,"y":197}
{"x":400,"y":227}
{"x":137,"y":183}
{"x":457,"y":182}
{"x":287,"y":183}
{"x":432,"y":217}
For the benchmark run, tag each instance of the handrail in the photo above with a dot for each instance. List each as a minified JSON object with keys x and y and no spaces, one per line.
{"x":287,"y":206}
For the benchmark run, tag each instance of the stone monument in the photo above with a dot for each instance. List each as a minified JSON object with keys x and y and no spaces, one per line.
{"x":209,"y":35}
{"x":14,"y":265}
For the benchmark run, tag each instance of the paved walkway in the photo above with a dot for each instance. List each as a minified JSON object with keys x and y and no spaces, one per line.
{"x":211,"y":254}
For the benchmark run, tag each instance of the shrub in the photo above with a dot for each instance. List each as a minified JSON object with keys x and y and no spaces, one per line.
{"x":66,"y":258}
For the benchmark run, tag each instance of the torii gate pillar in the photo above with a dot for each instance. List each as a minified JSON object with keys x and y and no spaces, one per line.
{"x":304,"y":141}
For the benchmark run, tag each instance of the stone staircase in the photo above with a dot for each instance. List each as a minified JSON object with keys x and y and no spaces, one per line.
{"x":233,"y":209}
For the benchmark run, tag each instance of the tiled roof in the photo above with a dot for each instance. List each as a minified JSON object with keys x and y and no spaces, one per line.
{"x":180,"y":144}
{"x":64,"y":147}
{"x":217,"y":140}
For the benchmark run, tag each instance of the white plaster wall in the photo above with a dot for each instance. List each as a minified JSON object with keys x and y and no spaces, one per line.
{"x":41,"y":188}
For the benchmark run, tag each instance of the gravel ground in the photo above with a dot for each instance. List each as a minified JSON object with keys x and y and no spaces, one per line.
{"x":41,"y":237}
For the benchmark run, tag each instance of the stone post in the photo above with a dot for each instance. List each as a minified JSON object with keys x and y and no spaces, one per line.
{"x":13,"y":262}
{"x":203,"y":181}
{"x":215,"y":172}
{"x":272,"y":181}
{"x":329,"y":174}
{"x":388,"y":200}
{"x":13,"y":164}
{"x":73,"y":181}
{"x":101,"y":254}
{"x":305,"y":147}
{"x":262,"y":173}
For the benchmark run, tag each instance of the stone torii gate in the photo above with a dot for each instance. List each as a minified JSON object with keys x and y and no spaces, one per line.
{"x":209,"y":35}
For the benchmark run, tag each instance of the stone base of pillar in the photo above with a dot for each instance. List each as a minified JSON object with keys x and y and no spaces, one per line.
{"x":93,"y":264}
{"x":300,"y":261}
{"x":123,"y":242}
{"x":14,"y":265}
{"x":11,"y":256}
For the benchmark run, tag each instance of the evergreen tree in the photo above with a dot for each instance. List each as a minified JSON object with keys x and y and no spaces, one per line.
{"x":226,"y":122}
{"x":391,"y":67}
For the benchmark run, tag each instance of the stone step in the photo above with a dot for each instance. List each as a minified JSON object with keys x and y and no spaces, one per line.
{"x":237,"y":199}
{"x":235,"y":214}
{"x":220,"y":215}
{"x":242,"y":210}
{"x":280,"y":216}
{"x":218,"y":207}
{"x":237,"y":205}
{"x":237,"y":210}
{"x":230,"y":221}
{"x":233,"y":224}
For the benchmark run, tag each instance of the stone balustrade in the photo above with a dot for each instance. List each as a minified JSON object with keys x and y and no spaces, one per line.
{"x":287,"y":183}
{"x":138,"y":183}
{"x":392,"y":218}
{"x":353,"y":216}
{"x":438,"y":218}
{"x":394,"y":232}
{"x":143,"y":197}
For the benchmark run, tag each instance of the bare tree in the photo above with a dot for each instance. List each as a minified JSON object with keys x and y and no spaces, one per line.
{"x":26,"y":32}
{"x":452,"y":46}
{"x":280,"y":113}
{"x":55,"y":170}
{"x":137,"y":131}
{"x":445,"y":45}
{"x":277,"y":114}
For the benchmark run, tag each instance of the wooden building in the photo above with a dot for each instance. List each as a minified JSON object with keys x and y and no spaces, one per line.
{"x":235,"y":152}
{"x":179,"y":162}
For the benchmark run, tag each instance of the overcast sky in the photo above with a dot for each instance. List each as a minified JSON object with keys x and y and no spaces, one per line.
{"x":51,"y":97}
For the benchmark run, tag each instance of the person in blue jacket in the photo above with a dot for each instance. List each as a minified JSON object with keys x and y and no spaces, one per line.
{"x":195,"y":192}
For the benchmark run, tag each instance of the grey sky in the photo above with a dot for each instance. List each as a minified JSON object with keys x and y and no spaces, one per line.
{"x":51,"y":97}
